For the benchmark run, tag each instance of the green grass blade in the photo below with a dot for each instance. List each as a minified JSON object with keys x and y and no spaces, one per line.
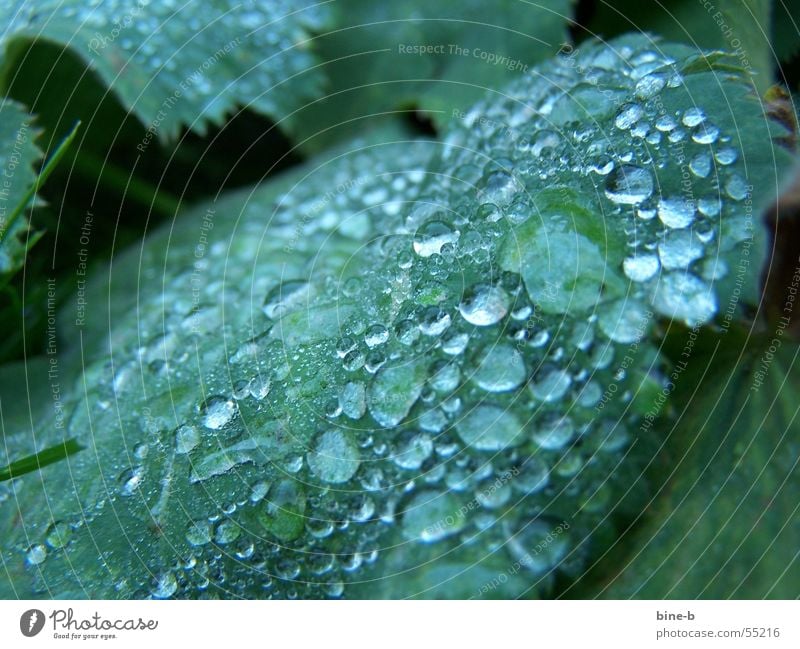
{"x":39,"y":460}
{"x":48,"y":168}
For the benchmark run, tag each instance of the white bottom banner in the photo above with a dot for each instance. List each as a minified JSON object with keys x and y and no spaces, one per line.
{"x":400,"y":625}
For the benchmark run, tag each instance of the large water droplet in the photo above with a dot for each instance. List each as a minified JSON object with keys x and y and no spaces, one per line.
{"x":679,"y":249}
{"x":551,"y":385}
{"x":685,"y":297}
{"x":676,"y":212}
{"x":186,"y":439}
{"x":629,"y":185}
{"x":431,"y":517}
{"x":335,"y":457}
{"x":58,"y":535}
{"x":353,"y":400}
{"x":286,"y":297}
{"x":641,"y":267}
{"x":539,"y":546}
{"x":501,"y":369}
{"x":412,"y":449}
{"x":393,"y":391}
{"x":217,"y":412}
{"x":553,"y":433}
{"x":490,"y":428}
{"x":36,"y":555}
{"x":624,"y":321}
{"x":484,"y":305}
{"x":430,"y":238}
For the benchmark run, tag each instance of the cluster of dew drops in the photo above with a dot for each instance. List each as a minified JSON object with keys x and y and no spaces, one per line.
{"x":453,"y":410}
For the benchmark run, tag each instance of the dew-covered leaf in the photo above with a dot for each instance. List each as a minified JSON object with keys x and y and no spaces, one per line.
{"x":365,"y":379}
{"x":172,"y":65}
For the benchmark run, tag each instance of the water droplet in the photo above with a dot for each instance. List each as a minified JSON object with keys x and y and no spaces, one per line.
{"x":407,"y":332}
{"x":737,"y":187}
{"x":226,"y":532}
{"x":285,"y":297}
{"x":641,"y":267}
{"x":430,"y":238}
{"x":35,"y":555}
{"x":501,"y":369}
{"x":58,"y":535}
{"x":629,"y":185}
{"x":676,"y":212}
{"x":490,"y":428}
{"x":353,"y":400}
{"x":484,"y":305}
{"x":693,"y":116}
{"x":666,"y":123}
{"x":455,"y":343}
{"x":544,"y":142}
{"x":726,"y":156}
{"x":553,"y":433}
{"x":686,"y":297}
{"x":412,"y":449}
{"x":131,"y":480}
{"x":434,"y":321}
{"x":393,"y":391}
{"x":198,"y":533}
{"x":679,"y":249}
{"x":217,"y":412}
{"x":628,"y":116}
{"x":430,"y":517}
{"x":335,"y":457}
{"x":445,"y":376}
{"x":166,"y":586}
{"x":551,"y":385}
{"x":624,"y":321}
{"x":534,"y":475}
{"x":259,"y":387}
{"x":701,"y":164}
{"x":705,"y":134}
{"x":649,"y":86}
{"x":539,"y":546}
{"x":376,"y":335}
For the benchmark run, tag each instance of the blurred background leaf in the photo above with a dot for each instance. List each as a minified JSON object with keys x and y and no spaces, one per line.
{"x":725,"y":523}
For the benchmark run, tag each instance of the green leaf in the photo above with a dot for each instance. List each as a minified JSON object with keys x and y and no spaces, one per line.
{"x":741,"y":27}
{"x":726,"y":522}
{"x":47,"y":169}
{"x":18,"y":156}
{"x":434,"y":57}
{"x":174,"y":66}
{"x":349,"y":378}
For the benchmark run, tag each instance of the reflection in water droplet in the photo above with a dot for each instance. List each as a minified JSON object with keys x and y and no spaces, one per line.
{"x":217,"y":412}
{"x":36,"y":555}
{"x":484,"y":305}
{"x":629,"y":185}
{"x":430,"y":238}
{"x":641,"y":267}
{"x":501,"y":369}
{"x":335,"y":457}
{"x":676,"y":212}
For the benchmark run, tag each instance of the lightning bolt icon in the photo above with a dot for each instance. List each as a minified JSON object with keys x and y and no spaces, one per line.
{"x":32,"y":621}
